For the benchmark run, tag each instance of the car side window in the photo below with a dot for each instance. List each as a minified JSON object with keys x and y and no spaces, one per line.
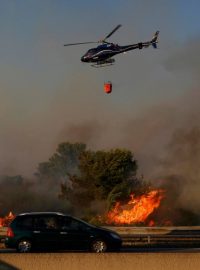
{"x":25,"y":223}
{"x":46,"y":223}
{"x":66,"y":223}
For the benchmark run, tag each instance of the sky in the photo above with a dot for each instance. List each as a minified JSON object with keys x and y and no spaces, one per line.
{"x":49,"y":96}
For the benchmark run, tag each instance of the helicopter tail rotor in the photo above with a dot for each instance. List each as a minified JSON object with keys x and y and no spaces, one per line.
{"x":154,"y":40}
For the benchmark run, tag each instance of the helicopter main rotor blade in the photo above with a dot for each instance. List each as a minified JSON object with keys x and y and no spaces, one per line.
{"x":113,"y":31}
{"x":80,"y":43}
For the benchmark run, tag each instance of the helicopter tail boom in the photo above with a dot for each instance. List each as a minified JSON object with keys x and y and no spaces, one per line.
{"x":153,"y":42}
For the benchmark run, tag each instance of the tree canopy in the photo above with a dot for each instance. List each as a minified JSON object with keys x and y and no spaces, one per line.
{"x":63,"y":162}
{"x":101,"y":171}
{"x":86,"y":176}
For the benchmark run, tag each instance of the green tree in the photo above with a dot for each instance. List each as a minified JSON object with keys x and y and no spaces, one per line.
{"x":63,"y":163}
{"x":86,"y":176}
{"x":102,"y":171}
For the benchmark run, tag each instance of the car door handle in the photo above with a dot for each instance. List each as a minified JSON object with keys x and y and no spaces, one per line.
{"x":37,"y":231}
{"x":63,"y":232}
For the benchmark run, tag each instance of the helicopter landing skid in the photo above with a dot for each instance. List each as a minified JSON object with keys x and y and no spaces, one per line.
{"x":108,"y":62}
{"x":102,"y":65}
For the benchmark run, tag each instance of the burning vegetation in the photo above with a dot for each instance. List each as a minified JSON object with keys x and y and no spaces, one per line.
{"x":5,"y":221}
{"x":93,"y":184}
{"x":136,"y":210}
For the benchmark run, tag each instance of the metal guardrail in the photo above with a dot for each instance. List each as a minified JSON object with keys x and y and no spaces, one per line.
{"x":161,"y":240}
{"x":159,"y":236}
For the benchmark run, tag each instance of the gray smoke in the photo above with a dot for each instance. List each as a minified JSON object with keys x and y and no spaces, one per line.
{"x":164,"y":137}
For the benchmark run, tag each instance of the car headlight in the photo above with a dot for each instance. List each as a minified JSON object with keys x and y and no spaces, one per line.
{"x":115,"y":236}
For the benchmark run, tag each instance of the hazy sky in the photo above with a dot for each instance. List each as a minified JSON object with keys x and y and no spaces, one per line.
{"x":48,"y":96}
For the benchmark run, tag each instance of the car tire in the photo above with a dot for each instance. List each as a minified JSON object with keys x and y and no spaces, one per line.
{"x":99,"y":246}
{"x":24,"y":246}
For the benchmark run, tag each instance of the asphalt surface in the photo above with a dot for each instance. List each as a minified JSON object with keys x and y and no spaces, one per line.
{"x":123,"y":250}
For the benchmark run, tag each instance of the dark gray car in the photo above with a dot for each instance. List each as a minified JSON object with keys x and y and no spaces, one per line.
{"x":51,"y":230}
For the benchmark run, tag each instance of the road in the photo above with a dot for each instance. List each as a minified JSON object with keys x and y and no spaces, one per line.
{"x":123,"y":250}
{"x":126,"y":260}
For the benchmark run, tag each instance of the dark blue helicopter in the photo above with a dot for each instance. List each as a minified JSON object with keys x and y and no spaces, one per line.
{"x":102,"y":54}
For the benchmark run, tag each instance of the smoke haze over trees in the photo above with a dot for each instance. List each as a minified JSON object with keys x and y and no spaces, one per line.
{"x":74,"y":180}
{"x":88,"y":183}
{"x":87,"y":177}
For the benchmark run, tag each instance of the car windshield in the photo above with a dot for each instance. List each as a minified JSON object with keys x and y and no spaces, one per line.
{"x":84,"y":222}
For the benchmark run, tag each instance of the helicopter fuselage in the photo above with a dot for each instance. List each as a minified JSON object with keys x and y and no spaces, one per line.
{"x":102,"y":54}
{"x":106,"y":51}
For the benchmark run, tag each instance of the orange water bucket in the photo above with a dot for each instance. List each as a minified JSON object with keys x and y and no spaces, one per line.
{"x":108,"y":87}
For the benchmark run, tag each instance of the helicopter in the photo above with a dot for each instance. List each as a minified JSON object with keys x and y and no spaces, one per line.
{"x":103,"y":54}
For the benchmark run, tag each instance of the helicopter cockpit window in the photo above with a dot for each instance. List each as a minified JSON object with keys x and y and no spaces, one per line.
{"x":104,"y":46}
{"x":91,"y":51}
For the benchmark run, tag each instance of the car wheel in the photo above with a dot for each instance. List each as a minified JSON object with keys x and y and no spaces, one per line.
{"x":24,"y":246}
{"x":98,"y":246}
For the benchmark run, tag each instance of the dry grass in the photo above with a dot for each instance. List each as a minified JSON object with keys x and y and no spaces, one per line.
{"x":114,"y":261}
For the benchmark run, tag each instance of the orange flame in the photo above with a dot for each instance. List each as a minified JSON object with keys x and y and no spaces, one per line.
{"x":136,"y":210}
{"x":5,"y":221}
